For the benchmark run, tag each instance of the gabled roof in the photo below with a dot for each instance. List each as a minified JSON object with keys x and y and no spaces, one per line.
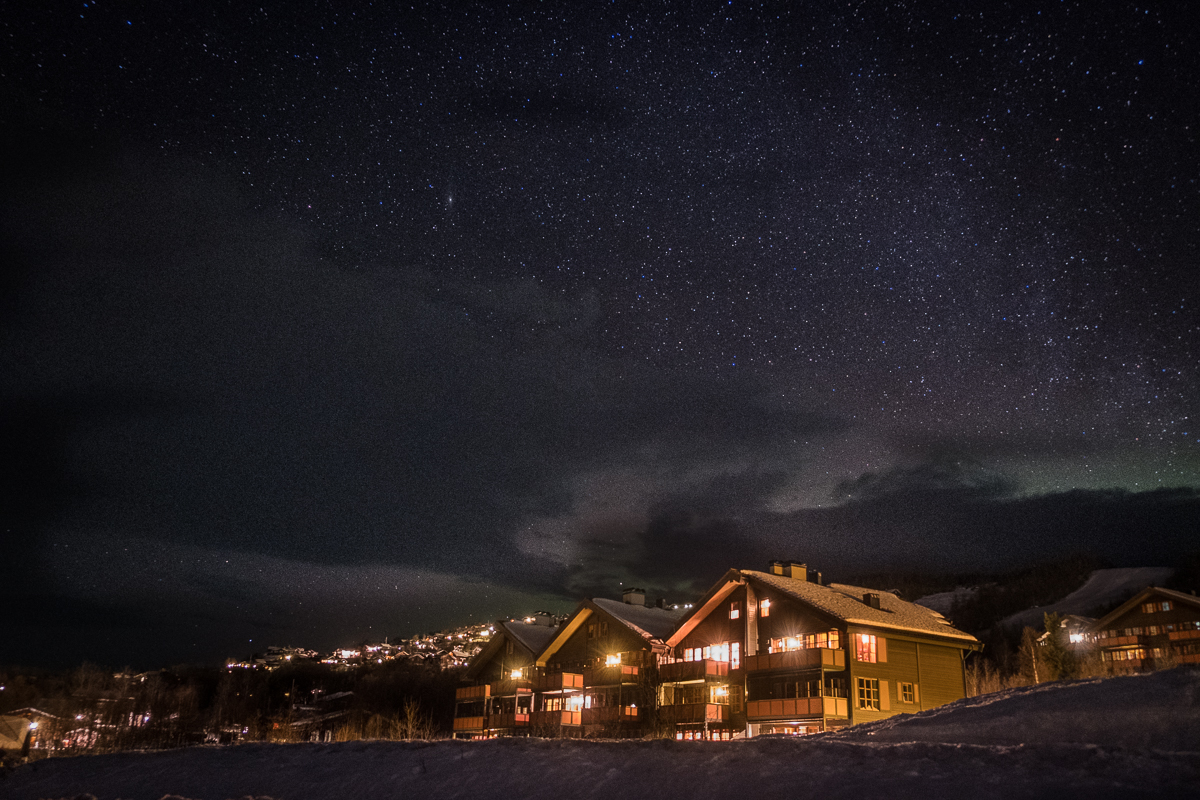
{"x":647,"y":622}
{"x":651,"y":624}
{"x":845,"y":603}
{"x":532,"y":639}
{"x":841,"y":602}
{"x":1141,"y":597}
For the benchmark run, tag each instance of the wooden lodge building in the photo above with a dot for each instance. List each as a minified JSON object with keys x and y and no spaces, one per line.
{"x":1155,"y":628}
{"x":591,"y":676}
{"x":762,"y":652}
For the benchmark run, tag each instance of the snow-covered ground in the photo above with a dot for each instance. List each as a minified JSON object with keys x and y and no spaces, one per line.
{"x":1135,"y":736}
{"x":1102,"y":587}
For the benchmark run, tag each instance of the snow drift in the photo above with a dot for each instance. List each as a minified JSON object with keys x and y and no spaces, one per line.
{"x":1136,"y":736}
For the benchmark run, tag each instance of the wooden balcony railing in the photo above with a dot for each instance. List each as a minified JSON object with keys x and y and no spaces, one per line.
{"x":508,"y":688}
{"x":593,"y":716}
{"x":508,"y":720}
{"x":561,"y":681}
{"x":797,"y":707}
{"x":468,"y":693}
{"x":469,"y":723}
{"x":694,"y":712}
{"x":554,"y":719}
{"x":798,"y":659}
{"x":692,"y":670}
{"x":610,"y":676}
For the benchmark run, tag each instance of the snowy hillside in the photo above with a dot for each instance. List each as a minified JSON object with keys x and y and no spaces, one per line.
{"x":1104,"y":586}
{"x":943,"y":602}
{"x":1125,"y":737}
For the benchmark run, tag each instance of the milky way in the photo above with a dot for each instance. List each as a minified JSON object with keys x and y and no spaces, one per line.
{"x":556,"y":295}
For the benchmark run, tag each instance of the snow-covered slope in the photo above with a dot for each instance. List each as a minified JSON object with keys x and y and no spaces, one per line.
{"x":943,"y":602}
{"x":1102,"y":587}
{"x":1125,"y":737}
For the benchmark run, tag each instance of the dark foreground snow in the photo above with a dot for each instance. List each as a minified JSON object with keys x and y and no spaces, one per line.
{"x":1123,"y":737}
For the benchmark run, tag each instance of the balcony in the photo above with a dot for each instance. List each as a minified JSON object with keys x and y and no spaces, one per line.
{"x":694,"y":712}
{"x":519,"y":720}
{"x":1176,"y":636}
{"x":509,"y":688}
{"x":559,"y":682}
{"x":468,"y":724}
{"x":798,"y":659}
{"x":596,"y":716}
{"x":465,"y":694}
{"x":692,"y":671}
{"x":797,"y":707}
{"x":555,"y":719}
{"x":610,"y":676}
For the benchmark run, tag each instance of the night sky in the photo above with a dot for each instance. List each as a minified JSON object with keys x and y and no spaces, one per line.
{"x":319,"y":325}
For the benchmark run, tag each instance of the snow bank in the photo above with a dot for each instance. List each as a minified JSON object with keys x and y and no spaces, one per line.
{"x":1126,"y":737}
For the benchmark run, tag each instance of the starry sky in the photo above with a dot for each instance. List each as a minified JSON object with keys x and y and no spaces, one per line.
{"x":323,"y":322}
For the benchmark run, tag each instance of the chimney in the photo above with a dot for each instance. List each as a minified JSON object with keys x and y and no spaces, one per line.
{"x":776,"y":568}
{"x":820,"y":580}
{"x":634,"y":597}
{"x":660,"y":602}
{"x":796,"y":571}
{"x":871,"y":599}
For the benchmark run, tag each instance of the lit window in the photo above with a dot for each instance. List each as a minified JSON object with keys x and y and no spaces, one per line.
{"x":907,"y":693}
{"x":735,"y":610}
{"x":735,"y":655}
{"x":868,"y":694}
{"x":864,"y":647}
{"x":707,"y":653}
{"x":1166,"y":605}
{"x":515,"y":674}
{"x":612,"y":661}
{"x":764,"y":608}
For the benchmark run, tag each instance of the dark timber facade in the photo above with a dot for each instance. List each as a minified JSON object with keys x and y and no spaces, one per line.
{"x":762,"y":652}
{"x":1156,"y":628}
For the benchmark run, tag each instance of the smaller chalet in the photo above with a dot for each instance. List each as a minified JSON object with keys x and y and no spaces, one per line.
{"x":501,"y":700}
{"x":1154,"y":629}
{"x":591,"y":676}
{"x":781,"y":652}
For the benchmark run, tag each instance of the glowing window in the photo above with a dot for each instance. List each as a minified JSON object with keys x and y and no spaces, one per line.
{"x":612,"y":661}
{"x":735,"y":610}
{"x":735,"y":655}
{"x":764,"y":608}
{"x":864,"y":648}
{"x":868,"y":694}
{"x":515,"y":674}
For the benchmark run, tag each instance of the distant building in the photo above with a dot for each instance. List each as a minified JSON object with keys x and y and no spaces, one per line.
{"x":1155,"y":628}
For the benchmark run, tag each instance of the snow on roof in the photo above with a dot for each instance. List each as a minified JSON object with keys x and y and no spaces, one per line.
{"x":533,"y":637}
{"x":1103,"y":587}
{"x":649,"y":623}
{"x":845,"y":603}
